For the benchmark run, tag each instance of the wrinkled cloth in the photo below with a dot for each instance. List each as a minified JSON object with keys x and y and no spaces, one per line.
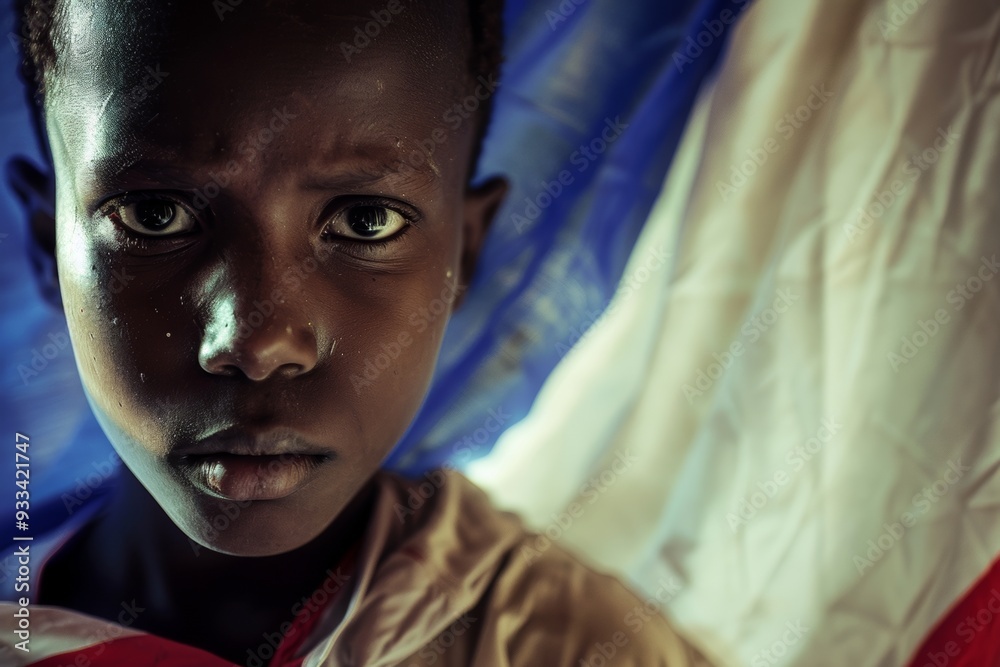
{"x":809,"y":384}
{"x":440,"y":578}
{"x":586,"y":120}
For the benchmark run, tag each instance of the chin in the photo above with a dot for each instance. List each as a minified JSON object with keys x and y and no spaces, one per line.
{"x":249,"y":528}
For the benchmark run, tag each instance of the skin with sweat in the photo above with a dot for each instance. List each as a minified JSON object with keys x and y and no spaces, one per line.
{"x":234,"y":243}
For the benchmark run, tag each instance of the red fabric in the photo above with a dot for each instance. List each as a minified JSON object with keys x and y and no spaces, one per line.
{"x":969,"y":636}
{"x":306,"y":619}
{"x":135,"y":651}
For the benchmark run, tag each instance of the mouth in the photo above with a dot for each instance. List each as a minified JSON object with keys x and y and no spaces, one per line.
{"x":239,"y":477}
{"x":239,"y":466}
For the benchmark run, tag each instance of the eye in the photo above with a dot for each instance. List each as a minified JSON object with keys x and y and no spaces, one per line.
{"x":365,"y":222}
{"x":152,"y":216}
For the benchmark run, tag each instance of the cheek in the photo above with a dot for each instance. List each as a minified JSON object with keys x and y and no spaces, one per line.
{"x":82,"y":279}
{"x":123,"y":365}
{"x":386,"y":357}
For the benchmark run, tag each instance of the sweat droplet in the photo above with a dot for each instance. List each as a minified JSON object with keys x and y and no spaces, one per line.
{"x":142,"y":376}
{"x":168,"y":334}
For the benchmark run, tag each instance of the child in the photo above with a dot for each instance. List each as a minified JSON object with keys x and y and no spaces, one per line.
{"x":252,"y":199}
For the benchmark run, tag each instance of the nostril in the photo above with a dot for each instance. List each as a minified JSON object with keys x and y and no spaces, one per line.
{"x":284,"y":343}
{"x":258,"y":359}
{"x":291,"y":370}
{"x":229,"y":370}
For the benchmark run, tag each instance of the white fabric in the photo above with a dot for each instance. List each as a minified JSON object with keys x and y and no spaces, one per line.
{"x":864,"y":416}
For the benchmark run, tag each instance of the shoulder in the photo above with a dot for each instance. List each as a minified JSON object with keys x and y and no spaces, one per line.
{"x":555,"y":607}
{"x":520,"y":599}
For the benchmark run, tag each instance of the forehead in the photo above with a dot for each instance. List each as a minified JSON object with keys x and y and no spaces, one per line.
{"x":188,"y":81}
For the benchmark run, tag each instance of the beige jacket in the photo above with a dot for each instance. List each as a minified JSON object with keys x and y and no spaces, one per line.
{"x":442,"y":578}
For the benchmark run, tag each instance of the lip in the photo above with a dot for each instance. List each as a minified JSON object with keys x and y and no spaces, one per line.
{"x":244,"y":442}
{"x":239,"y":465}
{"x":242,"y":478}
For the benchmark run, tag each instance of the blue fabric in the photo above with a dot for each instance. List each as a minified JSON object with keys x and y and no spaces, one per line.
{"x":552,"y":263}
{"x":573,"y":71}
{"x":40,"y":391}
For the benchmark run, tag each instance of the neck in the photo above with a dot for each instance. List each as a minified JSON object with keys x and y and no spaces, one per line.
{"x":173,"y":571}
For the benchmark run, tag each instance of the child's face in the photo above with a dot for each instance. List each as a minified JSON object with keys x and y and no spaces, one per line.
{"x":240,"y":249}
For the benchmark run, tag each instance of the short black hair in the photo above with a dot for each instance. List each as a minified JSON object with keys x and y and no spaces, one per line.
{"x":37,"y":20}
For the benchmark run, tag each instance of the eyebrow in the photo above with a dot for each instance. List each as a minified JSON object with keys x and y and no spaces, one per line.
{"x":115,"y":167}
{"x":364,"y":176}
{"x":368,"y":167}
{"x":371,"y":163}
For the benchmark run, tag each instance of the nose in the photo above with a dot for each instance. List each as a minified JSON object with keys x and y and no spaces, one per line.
{"x":257,"y":337}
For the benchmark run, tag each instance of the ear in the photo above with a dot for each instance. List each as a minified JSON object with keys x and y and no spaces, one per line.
{"x":36,"y":191}
{"x":480,"y":207}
